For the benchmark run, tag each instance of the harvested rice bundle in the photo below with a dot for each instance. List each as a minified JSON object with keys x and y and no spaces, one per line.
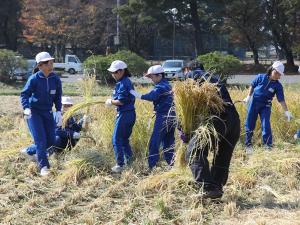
{"x":196,"y":103}
{"x":196,"y":107}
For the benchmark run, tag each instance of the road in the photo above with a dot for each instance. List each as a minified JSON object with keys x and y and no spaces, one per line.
{"x":236,"y":79}
{"x":246,"y":79}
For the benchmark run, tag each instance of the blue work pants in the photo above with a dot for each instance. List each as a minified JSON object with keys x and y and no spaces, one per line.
{"x":42,"y":128}
{"x":163,"y":134}
{"x":256,"y":108}
{"x":120,"y":140}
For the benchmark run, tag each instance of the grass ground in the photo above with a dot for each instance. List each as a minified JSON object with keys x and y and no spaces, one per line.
{"x":262,"y":189}
{"x":70,"y":89}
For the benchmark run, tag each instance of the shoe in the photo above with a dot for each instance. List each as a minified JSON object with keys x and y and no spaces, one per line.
{"x":249,"y":150}
{"x":45,"y":171}
{"x":117,"y":169}
{"x":268,"y":148}
{"x":212,"y":191}
{"x":32,"y":158}
{"x":213,"y":194}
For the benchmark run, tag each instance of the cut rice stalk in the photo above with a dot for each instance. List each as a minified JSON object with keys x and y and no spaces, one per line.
{"x":78,"y":107}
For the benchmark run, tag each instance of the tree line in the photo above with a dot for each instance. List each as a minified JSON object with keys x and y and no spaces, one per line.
{"x":91,"y":24}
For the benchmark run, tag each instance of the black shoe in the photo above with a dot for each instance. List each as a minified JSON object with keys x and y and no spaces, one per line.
{"x":213,"y":194}
{"x":212,"y":191}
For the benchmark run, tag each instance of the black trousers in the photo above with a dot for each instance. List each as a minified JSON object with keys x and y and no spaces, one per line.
{"x":228,"y":128}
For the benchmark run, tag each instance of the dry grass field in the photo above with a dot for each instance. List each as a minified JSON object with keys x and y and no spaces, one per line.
{"x":263,"y":189}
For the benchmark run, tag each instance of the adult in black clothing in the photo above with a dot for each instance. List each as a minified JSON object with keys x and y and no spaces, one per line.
{"x":227,"y":124}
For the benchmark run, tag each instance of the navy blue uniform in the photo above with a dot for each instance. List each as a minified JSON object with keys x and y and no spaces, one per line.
{"x":124,"y":122}
{"x":227,"y":125}
{"x":39,"y":94}
{"x":164,"y":126}
{"x":264,"y":90}
{"x":63,"y":137}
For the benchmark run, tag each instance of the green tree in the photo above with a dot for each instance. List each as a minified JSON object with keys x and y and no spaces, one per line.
{"x":10,"y":27}
{"x":9,"y":62}
{"x":282,"y":19}
{"x":244,"y":19}
{"x":138,"y":26}
{"x":98,"y":65}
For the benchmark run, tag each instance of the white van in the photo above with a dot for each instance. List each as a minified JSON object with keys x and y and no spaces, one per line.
{"x":71,"y":64}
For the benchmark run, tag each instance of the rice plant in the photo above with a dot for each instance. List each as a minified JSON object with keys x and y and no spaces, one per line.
{"x":196,"y":106}
{"x":84,"y":164}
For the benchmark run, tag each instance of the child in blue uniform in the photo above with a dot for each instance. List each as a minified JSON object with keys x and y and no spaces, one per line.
{"x":259,"y":100}
{"x":64,"y":137}
{"x":68,"y":136}
{"x":126,"y":116}
{"x":42,"y":90}
{"x":164,"y":125}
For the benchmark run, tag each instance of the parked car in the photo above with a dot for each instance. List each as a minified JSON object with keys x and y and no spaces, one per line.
{"x":173,"y":69}
{"x":71,"y":64}
{"x":23,"y":73}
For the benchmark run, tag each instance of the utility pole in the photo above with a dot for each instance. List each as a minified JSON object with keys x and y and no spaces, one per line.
{"x":174,"y":12}
{"x":117,"y":37}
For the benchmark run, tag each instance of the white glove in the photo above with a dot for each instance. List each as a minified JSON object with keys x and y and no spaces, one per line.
{"x":288,"y":115}
{"x":108,"y":102}
{"x":135,"y":94}
{"x":58,"y":119}
{"x":247,"y":99}
{"x":76,"y":135}
{"x":27,"y":113}
{"x":86,"y":119}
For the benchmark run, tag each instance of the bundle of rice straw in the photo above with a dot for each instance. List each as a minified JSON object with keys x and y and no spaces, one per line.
{"x":196,"y":105}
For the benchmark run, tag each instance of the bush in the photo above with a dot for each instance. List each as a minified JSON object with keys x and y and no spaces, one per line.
{"x":223,"y":65}
{"x":9,"y":62}
{"x":99,"y":64}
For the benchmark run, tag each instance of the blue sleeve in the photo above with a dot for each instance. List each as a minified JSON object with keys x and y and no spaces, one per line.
{"x":280,"y":94}
{"x":256,"y":80}
{"x":123,"y":94}
{"x":152,"y":95}
{"x":26,"y":93}
{"x":57,"y":100}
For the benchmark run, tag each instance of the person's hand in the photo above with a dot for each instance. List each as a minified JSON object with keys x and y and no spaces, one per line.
{"x":183,"y":137}
{"x":247,"y":99}
{"x":135,"y":94}
{"x":76,"y":135}
{"x":27,"y":113}
{"x":58,"y":119}
{"x":288,"y":115}
{"x":86,"y":119}
{"x":108,"y":103}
